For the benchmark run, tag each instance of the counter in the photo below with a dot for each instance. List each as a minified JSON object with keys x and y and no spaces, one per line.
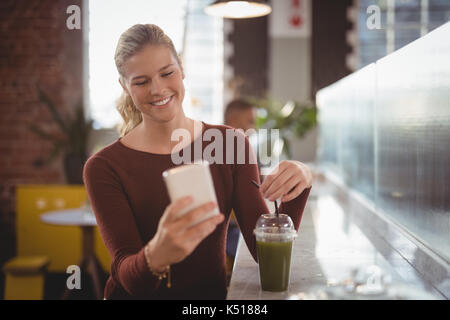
{"x":339,"y":234}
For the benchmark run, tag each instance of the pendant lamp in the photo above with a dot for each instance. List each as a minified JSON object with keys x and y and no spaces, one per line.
{"x":233,"y":9}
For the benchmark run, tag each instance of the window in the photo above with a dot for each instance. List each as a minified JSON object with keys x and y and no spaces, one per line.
{"x":201,"y":42}
{"x":402,"y":21}
{"x":203,"y":61}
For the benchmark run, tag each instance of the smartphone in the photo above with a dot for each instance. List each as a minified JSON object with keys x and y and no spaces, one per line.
{"x":192,"y":180}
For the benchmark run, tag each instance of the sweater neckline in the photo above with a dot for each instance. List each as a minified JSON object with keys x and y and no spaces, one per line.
{"x":123,"y":146}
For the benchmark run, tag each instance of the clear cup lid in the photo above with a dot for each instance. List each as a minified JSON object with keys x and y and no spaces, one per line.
{"x":269,"y":227}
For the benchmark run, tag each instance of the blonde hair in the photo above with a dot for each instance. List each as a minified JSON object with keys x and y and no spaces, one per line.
{"x":131,"y":42}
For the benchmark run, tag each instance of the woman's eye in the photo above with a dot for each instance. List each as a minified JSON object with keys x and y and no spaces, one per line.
{"x":167,"y":74}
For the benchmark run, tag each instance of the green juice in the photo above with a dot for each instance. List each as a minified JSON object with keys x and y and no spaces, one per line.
{"x":274,"y":259}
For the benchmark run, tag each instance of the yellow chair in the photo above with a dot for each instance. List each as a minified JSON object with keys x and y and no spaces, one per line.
{"x":230,"y":259}
{"x":60,"y":243}
{"x":25,"y":278}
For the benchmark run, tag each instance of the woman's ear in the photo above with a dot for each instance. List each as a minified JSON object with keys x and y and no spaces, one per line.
{"x":124,"y":87}
{"x":182,"y":71}
{"x":180,"y":64}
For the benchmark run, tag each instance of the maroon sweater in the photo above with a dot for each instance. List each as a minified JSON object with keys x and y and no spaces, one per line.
{"x":128,"y":196}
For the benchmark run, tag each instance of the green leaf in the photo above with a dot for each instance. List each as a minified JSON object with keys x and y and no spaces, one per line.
{"x":44,"y":98}
{"x":298,"y":122}
{"x":75,"y":128}
{"x":38,"y":131}
{"x":56,"y":150}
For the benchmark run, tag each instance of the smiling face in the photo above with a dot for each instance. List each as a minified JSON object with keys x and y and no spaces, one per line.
{"x":154,"y":80}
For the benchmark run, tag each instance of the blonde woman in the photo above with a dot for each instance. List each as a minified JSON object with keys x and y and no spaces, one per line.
{"x":155,"y":255}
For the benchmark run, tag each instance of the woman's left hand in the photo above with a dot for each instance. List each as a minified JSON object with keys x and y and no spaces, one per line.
{"x":287,"y":181}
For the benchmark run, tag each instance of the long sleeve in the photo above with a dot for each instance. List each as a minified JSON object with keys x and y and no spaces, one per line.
{"x":118,"y":228}
{"x":128,"y":196}
{"x":249,"y":203}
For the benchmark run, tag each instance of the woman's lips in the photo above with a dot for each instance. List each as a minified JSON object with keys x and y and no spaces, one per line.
{"x":161,"y":103}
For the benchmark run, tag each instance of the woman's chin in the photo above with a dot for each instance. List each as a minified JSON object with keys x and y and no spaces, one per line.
{"x":162,"y":117}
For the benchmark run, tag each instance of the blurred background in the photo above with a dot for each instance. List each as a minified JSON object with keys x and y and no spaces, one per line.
{"x":59,"y":85}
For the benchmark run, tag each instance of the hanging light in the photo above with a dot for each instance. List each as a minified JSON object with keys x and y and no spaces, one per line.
{"x":238,"y":9}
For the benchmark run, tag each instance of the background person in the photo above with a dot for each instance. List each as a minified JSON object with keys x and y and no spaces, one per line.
{"x":238,"y":114}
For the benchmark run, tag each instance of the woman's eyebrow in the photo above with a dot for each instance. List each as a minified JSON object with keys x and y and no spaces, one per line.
{"x":163,"y":68}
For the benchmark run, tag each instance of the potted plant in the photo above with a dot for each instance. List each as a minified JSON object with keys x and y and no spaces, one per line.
{"x":293,"y":119}
{"x":71,"y":140}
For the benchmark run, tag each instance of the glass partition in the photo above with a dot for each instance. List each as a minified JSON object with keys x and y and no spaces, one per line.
{"x":346,"y":139}
{"x":413,"y":138}
{"x":385,"y":131}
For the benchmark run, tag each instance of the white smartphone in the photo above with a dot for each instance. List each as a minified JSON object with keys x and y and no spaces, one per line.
{"x":192,"y":180}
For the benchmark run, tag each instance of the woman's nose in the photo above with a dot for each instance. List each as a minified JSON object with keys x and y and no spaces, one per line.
{"x":155,"y":87}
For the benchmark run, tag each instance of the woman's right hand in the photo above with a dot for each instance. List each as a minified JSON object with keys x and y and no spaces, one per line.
{"x":176,"y":238}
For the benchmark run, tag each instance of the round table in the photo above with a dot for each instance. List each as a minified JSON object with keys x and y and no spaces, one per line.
{"x":85,"y":219}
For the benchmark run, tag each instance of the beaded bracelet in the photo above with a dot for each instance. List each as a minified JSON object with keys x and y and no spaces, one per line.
{"x":161,"y":275}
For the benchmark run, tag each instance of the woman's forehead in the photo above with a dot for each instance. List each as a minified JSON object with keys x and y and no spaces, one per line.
{"x":148,"y":61}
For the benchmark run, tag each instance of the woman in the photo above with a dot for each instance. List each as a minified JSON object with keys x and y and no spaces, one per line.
{"x":154,"y":254}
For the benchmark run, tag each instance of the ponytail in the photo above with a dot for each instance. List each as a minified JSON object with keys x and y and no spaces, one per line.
{"x":130,"y":114}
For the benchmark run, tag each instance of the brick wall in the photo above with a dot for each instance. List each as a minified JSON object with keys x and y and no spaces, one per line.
{"x":36,"y":48}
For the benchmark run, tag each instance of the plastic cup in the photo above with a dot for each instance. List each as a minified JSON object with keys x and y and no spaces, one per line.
{"x":274,"y":239}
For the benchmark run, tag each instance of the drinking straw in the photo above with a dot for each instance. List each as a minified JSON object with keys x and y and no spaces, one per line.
{"x":276,"y":204}
{"x":276,"y":208}
{"x":255,"y":183}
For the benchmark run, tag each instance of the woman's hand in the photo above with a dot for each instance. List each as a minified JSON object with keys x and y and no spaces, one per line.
{"x":176,"y":238}
{"x":287,"y":181}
